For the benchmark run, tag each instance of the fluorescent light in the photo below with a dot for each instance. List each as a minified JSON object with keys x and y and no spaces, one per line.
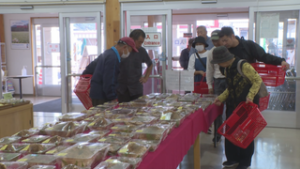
{"x":26,"y":7}
{"x":209,"y":1}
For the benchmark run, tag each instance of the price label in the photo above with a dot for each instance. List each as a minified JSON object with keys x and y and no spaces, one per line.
{"x":91,"y":124}
{"x":102,"y":139}
{"x":7,"y":96}
{"x":26,"y":148}
{"x":62,"y":154}
{"x":124,"y":150}
{"x":179,"y":108}
{"x":22,"y":160}
{"x":112,"y":135}
{"x":114,"y":128}
{"x":47,"y":141}
{"x":26,"y":140}
{"x":69,"y":140}
{"x":51,"y":152}
{"x":3,"y":148}
{"x":139,"y":131}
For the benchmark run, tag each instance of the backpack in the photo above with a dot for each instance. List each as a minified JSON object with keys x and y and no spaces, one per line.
{"x":263,"y":91}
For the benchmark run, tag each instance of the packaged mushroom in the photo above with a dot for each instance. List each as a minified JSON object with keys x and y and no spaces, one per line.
{"x":13,"y":148}
{"x":13,"y":165}
{"x":66,"y":129}
{"x":38,"y":159}
{"x":43,"y":167}
{"x":26,"y":133}
{"x":35,"y":139}
{"x":115,"y":144}
{"x":177,"y":117}
{"x":151,"y":132}
{"x":54,"y":140}
{"x":113,"y":165}
{"x":134,"y":162}
{"x":101,"y":124}
{"x":72,"y":166}
{"x":81,"y":138}
{"x":126,"y":128}
{"x":8,"y":140}
{"x":72,"y":117}
{"x":134,"y":150}
{"x":9,"y":156}
{"x":56,"y":150}
{"x":37,"y":148}
{"x":83,"y":154}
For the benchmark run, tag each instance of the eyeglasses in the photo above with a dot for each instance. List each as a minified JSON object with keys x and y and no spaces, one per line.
{"x":122,"y":42}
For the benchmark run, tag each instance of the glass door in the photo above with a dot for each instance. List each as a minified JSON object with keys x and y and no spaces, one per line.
{"x":277,"y":32}
{"x":157,"y":26}
{"x":47,"y":57}
{"x":81,"y":44}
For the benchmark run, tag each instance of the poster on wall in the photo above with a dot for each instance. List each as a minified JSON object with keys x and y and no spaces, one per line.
{"x":269,"y":25}
{"x":20,"y":34}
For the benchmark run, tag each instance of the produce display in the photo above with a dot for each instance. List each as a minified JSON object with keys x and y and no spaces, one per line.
{"x":66,"y":129}
{"x":37,"y":159}
{"x":79,"y":138}
{"x":101,"y":124}
{"x":56,"y":150}
{"x":72,"y":117}
{"x":8,"y":140}
{"x":151,"y":132}
{"x":37,"y":148}
{"x":13,"y":148}
{"x":134,"y":162}
{"x":54,"y":140}
{"x":72,"y":166}
{"x":113,"y":165}
{"x":13,"y":165}
{"x":115,"y":144}
{"x":133,"y":149}
{"x":9,"y":156}
{"x":43,"y":167}
{"x":35,"y":139}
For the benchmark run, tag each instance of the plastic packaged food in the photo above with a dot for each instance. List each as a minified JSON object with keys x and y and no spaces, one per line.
{"x":98,"y":115}
{"x":115,"y":144}
{"x":83,"y":154}
{"x":187,"y":98}
{"x":37,"y":148}
{"x":42,"y":130}
{"x":168,"y":125}
{"x":101,"y":132}
{"x":80,"y":138}
{"x":120,"y":113}
{"x":13,"y":148}
{"x":72,"y":166}
{"x":151,"y":132}
{"x":192,"y":106}
{"x":139,"y":120}
{"x":72,"y":117}
{"x":120,"y":134}
{"x":121,"y":120}
{"x":126,"y":128}
{"x":13,"y":165}
{"x":43,"y":167}
{"x":66,"y":129}
{"x":8,"y":140}
{"x":101,"y":124}
{"x":113,"y":165}
{"x":37,"y":159}
{"x":173,"y":116}
{"x":90,"y":119}
{"x":142,"y":103}
{"x":152,"y":143}
{"x":9,"y":156}
{"x":54,"y":140}
{"x":134,"y":150}
{"x":56,"y":150}
{"x":92,"y":111}
{"x":26,"y":133}
{"x":110,"y":104}
{"x":134,"y":162}
{"x":35,"y":139}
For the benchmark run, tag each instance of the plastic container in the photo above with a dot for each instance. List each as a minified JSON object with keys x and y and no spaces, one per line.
{"x":134,"y":162}
{"x":151,"y":132}
{"x":120,"y":134}
{"x":13,"y":148}
{"x":102,"y":133}
{"x":141,"y":103}
{"x":81,"y":138}
{"x":126,"y":128}
{"x":37,"y":148}
{"x":120,"y":113}
{"x":35,"y":139}
{"x":115,"y":144}
{"x":91,"y":119}
{"x":168,"y":125}
{"x":14,"y":165}
{"x":43,"y":167}
{"x":264,"y":103}
{"x":37,"y":159}
{"x":271,"y":75}
{"x":139,"y":120}
{"x":187,"y":98}
{"x":42,"y":130}
{"x":54,"y":140}
{"x":72,"y":166}
{"x":101,"y":124}
{"x":66,"y":129}
{"x":83,"y":154}
{"x":134,"y":150}
{"x":173,"y":117}
{"x":9,"y":156}
{"x":72,"y":117}
{"x":245,"y":123}
{"x":26,"y":133}
{"x":9,"y":140}
{"x":82,"y":90}
{"x":152,"y":143}
{"x":57,"y":149}
{"x":113,"y":165}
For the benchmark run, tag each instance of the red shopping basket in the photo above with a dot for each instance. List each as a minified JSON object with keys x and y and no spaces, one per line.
{"x":201,"y":87}
{"x":82,"y":90}
{"x":270,"y":74}
{"x":264,"y":102}
{"x":245,"y":123}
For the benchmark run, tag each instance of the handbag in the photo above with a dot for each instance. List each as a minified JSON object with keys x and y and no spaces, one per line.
{"x":201,"y":87}
{"x":263,"y":91}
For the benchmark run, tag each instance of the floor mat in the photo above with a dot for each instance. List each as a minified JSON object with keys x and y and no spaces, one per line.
{"x":51,"y":106}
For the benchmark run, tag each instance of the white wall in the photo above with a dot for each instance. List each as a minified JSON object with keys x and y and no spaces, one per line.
{"x":16,"y":59}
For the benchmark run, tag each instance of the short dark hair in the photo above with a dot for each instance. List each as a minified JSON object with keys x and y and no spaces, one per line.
{"x":191,"y":41}
{"x":135,"y":34}
{"x":226,"y":31}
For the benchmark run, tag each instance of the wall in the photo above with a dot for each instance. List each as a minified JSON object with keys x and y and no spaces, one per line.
{"x":16,"y":59}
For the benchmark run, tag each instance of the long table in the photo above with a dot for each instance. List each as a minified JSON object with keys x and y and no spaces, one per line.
{"x":171,"y":151}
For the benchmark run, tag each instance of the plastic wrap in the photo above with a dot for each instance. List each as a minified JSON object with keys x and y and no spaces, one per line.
{"x":112,"y":165}
{"x":35,"y":139}
{"x":66,"y":129}
{"x":72,"y":166}
{"x":57,"y":149}
{"x":134,"y":150}
{"x":102,"y":133}
{"x":126,"y":128}
{"x":37,"y":159}
{"x":72,"y":117}
{"x":120,"y":134}
{"x":79,"y":138}
{"x":26,"y":133}
{"x":54,"y":140}
{"x":45,"y":126}
{"x":9,"y":140}
{"x":43,"y":167}
{"x":9,"y":156}
{"x":141,"y":103}
{"x":151,"y":132}
{"x":139,"y":120}
{"x":120,"y":113}
{"x":101,"y":124}
{"x":173,"y":117}
{"x":37,"y":148}
{"x":13,"y":148}
{"x":134,"y":162}
{"x":152,"y":143}
{"x":14,"y":165}
{"x":115,"y":144}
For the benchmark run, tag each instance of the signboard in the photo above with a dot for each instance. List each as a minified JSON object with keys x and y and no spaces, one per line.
{"x":53,"y":47}
{"x":172,"y":80}
{"x":269,"y":25}
{"x":187,"y":35}
{"x":180,"y":80}
{"x":180,"y":42}
{"x":153,"y":39}
{"x":290,"y":43}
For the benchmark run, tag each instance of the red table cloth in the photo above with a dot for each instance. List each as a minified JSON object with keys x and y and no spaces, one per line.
{"x":171,"y":151}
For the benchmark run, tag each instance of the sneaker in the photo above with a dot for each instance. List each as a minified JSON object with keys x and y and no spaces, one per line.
{"x":230,"y":163}
{"x":209,"y":131}
{"x":218,"y":139}
{"x":242,"y":167}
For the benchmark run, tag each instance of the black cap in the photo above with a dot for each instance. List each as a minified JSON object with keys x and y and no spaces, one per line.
{"x":200,"y":39}
{"x":215,"y":35}
{"x":221,"y":55}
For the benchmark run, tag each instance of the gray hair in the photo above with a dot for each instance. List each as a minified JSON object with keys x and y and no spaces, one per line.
{"x":202,"y":27}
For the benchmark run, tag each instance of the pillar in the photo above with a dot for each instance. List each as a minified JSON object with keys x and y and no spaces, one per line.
{"x":113,"y":20}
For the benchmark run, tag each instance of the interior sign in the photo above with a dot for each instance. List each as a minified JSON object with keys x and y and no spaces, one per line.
{"x":153,"y":39}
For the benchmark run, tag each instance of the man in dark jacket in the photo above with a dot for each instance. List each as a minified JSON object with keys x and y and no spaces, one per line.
{"x":185,"y":56}
{"x":91,"y":67}
{"x":104,"y":81}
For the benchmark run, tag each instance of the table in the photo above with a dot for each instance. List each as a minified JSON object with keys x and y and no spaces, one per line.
{"x":171,"y":151}
{"x":20,"y":77}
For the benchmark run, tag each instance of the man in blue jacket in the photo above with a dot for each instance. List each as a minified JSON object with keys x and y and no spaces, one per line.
{"x":104,"y":81}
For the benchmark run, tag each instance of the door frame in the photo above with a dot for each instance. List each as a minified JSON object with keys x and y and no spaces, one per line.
{"x":65,"y":50}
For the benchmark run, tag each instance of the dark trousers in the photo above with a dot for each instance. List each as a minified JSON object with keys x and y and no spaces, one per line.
{"x":97,"y":102}
{"x":126,"y":97}
{"x":220,"y":86}
{"x":235,"y":153}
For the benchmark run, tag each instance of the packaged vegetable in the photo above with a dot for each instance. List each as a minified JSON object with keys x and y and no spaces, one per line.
{"x":72,"y":166}
{"x":120,"y":113}
{"x":66,"y":129}
{"x":26,"y":133}
{"x":134,"y":162}
{"x":13,"y":148}
{"x":134,"y":150}
{"x":102,"y":133}
{"x":57,"y":150}
{"x":141,"y":103}
{"x":72,"y":117}
{"x":139,"y":120}
{"x":54,"y":140}
{"x":43,"y":167}
{"x":115,"y":143}
{"x":37,"y":148}
{"x":112,"y":165}
{"x":126,"y":128}
{"x":35,"y":139}
{"x":152,"y":143}
{"x":120,"y":134}
{"x":174,"y":117}
{"x":101,"y":124}
{"x":9,"y":156}
{"x":151,"y":132}
{"x":42,"y":130}
{"x":38,"y":159}
{"x":8,"y":140}
{"x":79,"y":138}
{"x":13,"y":165}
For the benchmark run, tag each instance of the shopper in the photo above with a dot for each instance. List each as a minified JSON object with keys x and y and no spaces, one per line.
{"x":184,"y":56}
{"x":248,"y":50}
{"x":198,"y":61}
{"x":104,"y":81}
{"x":201,"y":31}
{"x":130,"y":78}
{"x":239,"y":89}
{"x":91,"y":67}
{"x":214,"y":76}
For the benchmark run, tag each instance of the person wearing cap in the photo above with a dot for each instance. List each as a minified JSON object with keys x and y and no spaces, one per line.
{"x":199,"y":66}
{"x":239,"y":89}
{"x":214,"y":76}
{"x":201,"y":31}
{"x":104,"y":81}
{"x":131,"y":78}
{"x":184,"y":56}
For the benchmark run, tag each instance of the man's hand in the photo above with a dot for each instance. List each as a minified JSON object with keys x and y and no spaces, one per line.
{"x":285,"y":66}
{"x":248,"y":100}
{"x":217,"y":102}
{"x":199,"y":72}
{"x":211,"y":91}
{"x":143,"y":80}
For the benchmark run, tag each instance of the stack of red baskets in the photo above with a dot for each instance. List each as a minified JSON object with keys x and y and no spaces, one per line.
{"x":82,"y":90}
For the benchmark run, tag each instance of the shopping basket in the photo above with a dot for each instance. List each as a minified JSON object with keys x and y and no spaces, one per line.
{"x":201,"y":87}
{"x":82,"y":90}
{"x":245,"y":123}
{"x":271,"y":75}
{"x":264,"y":102}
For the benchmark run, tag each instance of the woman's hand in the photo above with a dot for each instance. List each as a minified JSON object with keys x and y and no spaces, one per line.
{"x":249,"y":100}
{"x":217,"y":102}
{"x":199,"y":72}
